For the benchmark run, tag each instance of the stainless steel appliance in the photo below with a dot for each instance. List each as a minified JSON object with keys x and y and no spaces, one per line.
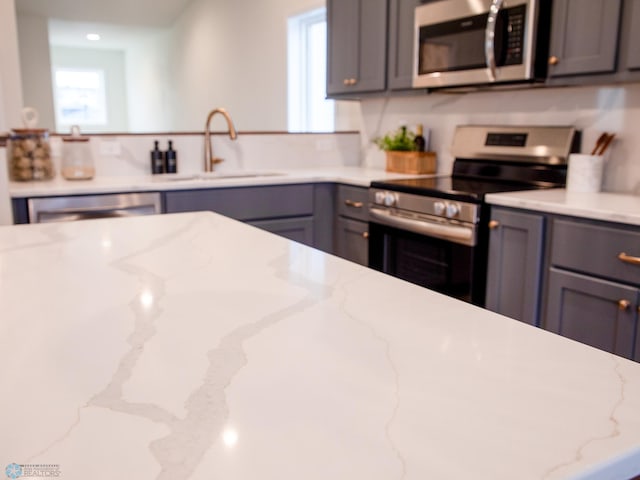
{"x":434,"y":231}
{"x":84,"y":207}
{"x":463,"y":42}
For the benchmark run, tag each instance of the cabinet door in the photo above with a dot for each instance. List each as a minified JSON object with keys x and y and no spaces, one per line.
{"x":633,"y":52}
{"x":596,"y":312}
{"x":357,"y":42}
{"x":515,"y":264}
{"x":401,"y":43}
{"x":584,"y":37}
{"x":297,"y":229}
{"x":352,"y":240}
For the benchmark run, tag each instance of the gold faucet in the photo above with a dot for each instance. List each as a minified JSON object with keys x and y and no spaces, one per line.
{"x":209,"y":159}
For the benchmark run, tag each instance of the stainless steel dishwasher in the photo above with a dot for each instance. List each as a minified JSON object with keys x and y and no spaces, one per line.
{"x":85,"y":207}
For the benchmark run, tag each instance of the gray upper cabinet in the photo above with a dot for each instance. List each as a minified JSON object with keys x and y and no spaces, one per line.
{"x":357,"y":46}
{"x":584,"y":37}
{"x":633,"y":43}
{"x":515,"y":264}
{"x":401,"y":43}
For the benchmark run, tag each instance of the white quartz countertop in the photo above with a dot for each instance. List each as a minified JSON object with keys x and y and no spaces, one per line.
{"x":223,"y":179}
{"x":612,"y":207}
{"x":192,"y":346}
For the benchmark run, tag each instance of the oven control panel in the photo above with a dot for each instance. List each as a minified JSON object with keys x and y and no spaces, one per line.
{"x":425,"y":205}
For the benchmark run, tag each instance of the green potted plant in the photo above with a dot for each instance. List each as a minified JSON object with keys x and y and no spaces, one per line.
{"x":403,"y":155}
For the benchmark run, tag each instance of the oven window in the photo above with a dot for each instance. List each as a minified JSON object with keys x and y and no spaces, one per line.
{"x":430,"y":262}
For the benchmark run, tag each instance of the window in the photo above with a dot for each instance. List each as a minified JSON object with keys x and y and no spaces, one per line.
{"x":308,"y":109}
{"x":79,"y":97}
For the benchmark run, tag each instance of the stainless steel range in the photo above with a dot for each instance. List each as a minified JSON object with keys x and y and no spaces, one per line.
{"x":434,"y":231}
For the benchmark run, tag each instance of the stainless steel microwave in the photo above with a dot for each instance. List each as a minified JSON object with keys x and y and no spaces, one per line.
{"x":476,"y":42}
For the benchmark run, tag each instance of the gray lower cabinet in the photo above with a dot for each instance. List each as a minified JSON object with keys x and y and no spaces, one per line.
{"x":593,"y":290}
{"x":352,"y":227}
{"x":597,"y":312}
{"x":298,"y":229}
{"x":357,"y":46}
{"x":284,"y":209}
{"x":514,"y":273}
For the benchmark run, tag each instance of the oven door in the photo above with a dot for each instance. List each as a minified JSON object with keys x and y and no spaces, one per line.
{"x":458,"y":42}
{"x":442,"y":265}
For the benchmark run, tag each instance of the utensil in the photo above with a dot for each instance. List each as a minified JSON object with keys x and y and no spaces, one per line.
{"x":606,"y":143}
{"x":599,"y":142}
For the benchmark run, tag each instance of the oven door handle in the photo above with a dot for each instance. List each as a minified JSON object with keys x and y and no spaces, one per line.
{"x":454,"y":233}
{"x":490,"y":37}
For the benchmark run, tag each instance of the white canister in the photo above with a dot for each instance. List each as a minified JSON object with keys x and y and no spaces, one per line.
{"x":585,"y":173}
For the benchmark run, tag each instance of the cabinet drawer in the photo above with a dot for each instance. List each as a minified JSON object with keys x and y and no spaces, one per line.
{"x":245,"y":203}
{"x":352,"y":202}
{"x":596,"y":249}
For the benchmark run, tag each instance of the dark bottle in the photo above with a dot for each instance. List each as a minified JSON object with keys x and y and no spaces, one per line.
{"x":157,"y":160}
{"x":171,"y":160}
{"x":419,"y":140}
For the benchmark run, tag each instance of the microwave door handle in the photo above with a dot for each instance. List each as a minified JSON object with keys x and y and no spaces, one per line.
{"x":490,"y":37}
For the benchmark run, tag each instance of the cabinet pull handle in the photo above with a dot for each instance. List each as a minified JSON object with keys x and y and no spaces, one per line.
{"x":351,"y":203}
{"x":553,"y":60}
{"x":365,"y":234}
{"x":623,"y":257}
{"x":349,"y":81}
{"x":623,"y":305}
{"x":493,"y":224}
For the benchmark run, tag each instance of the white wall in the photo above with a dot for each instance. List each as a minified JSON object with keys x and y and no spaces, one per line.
{"x":10,"y":94}
{"x":233,"y":54}
{"x":591,"y":109}
{"x":147,"y":70}
{"x":35,"y":66}
{"x":112,"y":62}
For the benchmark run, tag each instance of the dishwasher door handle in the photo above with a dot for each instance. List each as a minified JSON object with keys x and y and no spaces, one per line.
{"x":82,"y":207}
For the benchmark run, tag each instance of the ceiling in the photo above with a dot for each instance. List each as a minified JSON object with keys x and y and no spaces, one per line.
{"x":150,"y":13}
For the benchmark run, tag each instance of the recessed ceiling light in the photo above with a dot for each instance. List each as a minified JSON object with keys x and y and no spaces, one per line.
{"x":94,"y":37}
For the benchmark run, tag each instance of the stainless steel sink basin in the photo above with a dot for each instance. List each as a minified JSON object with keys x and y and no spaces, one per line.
{"x":207,"y":176}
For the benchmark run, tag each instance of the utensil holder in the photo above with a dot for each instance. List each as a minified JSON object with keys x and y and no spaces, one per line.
{"x":585,"y":173}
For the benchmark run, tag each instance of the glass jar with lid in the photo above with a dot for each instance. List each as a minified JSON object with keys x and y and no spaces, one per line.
{"x":29,"y":155}
{"x":77,"y":161}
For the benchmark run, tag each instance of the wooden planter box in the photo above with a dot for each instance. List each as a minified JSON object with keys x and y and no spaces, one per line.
{"x":411,"y":162}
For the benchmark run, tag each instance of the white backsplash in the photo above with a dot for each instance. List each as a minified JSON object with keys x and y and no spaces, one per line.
{"x":129,"y":155}
{"x":591,"y":109}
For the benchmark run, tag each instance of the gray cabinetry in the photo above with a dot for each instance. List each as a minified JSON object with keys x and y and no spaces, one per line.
{"x":594,"y":285}
{"x":352,"y":228}
{"x":515,"y":264}
{"x":401,"y":40}
{"x":584,"y":37}
{"x":597,"y":312}
{"x":632,"y":37}
{"x":284,"y":209}
{"x":357,"y":46}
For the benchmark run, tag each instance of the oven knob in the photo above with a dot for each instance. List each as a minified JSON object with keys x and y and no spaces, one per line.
{"x":389,"y":199}
{"x":438,"y":208}
{"x":453,"y":209}
{"x":380,"y":197}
